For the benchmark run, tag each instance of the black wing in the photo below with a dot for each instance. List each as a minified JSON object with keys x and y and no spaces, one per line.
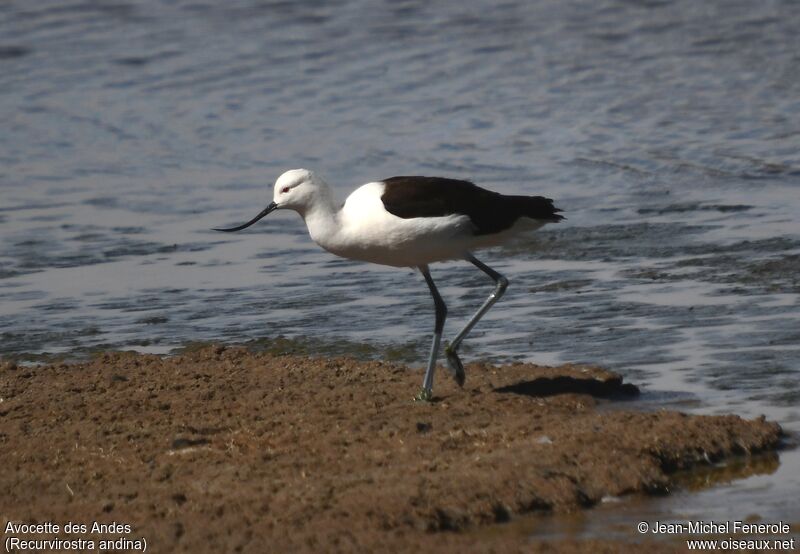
{"x":490,"y":212}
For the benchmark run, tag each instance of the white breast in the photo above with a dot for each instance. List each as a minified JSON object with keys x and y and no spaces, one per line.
{"x":366,"y":231}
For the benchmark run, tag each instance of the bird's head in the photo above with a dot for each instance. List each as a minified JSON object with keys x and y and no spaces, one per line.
{"x":296,"y":189}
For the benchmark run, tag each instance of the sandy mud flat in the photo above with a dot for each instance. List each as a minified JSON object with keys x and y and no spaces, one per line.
{"x":225,"y":450}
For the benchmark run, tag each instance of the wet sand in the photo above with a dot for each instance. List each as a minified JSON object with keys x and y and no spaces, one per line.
{"x":223,"y":450}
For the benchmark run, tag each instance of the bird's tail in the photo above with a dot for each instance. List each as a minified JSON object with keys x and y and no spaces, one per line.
{"x":537,"y":207}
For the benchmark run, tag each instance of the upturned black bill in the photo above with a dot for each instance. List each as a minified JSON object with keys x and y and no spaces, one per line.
{"x":273,"y":206}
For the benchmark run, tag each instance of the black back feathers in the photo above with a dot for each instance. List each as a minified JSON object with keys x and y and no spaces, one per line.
{"x":491,"y":212}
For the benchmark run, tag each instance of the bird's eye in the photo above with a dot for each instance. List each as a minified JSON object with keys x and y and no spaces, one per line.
{"x":284,"y":190}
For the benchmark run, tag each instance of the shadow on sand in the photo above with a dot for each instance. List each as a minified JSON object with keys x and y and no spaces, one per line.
{"x":549,"y":386}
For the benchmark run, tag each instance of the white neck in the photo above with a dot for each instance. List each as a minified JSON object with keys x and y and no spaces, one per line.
{"x":321,"y":217}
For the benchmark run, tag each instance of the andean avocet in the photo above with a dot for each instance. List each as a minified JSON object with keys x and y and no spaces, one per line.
{"x":413,"y":221}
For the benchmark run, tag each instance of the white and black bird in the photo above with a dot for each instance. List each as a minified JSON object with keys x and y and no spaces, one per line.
{"x":413,"y":222}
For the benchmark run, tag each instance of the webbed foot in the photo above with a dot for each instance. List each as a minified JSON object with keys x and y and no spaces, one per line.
{"x":455,"y":365}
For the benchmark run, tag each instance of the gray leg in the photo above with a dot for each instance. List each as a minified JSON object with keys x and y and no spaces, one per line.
{"x":451,"y":350}
{"x":441,"y":313}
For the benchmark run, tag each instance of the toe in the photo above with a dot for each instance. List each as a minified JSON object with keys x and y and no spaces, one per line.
{"x":456,"y":368}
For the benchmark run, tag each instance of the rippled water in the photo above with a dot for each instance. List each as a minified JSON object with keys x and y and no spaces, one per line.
{"x":669,"y":132}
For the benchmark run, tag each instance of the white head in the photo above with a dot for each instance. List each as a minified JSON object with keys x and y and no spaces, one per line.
{"x":296,"y":189}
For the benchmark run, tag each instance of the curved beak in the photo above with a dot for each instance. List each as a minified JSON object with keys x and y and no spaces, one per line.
{"x":272,"y":207}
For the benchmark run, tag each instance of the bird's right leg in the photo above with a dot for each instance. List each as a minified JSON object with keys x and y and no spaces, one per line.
{"x":451,"y":350}
{"x":441,"y":313}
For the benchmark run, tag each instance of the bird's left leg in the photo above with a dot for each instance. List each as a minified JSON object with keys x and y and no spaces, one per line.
{"x":451,"y":350}
{"x":441,"y":313}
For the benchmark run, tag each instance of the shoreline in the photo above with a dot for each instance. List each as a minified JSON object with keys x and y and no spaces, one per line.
{"x":221,"y":447}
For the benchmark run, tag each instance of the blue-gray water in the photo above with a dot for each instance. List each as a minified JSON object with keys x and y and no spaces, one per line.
{"x":669,"y":132}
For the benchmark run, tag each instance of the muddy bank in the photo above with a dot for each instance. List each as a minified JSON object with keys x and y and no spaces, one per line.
{"x":223,"y":449}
